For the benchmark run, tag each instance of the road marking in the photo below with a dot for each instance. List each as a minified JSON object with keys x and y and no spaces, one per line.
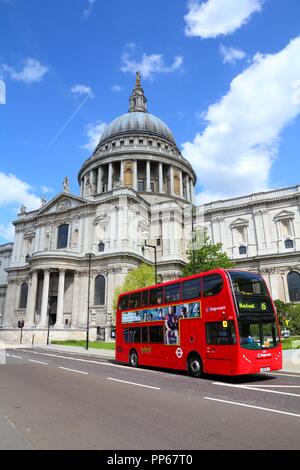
{"x":245,"y":387}
{"x":284,"y":375}
{"x":133,"y":383}
{"x":74,"y":370}
{"x":277,"y":386}
{"x":38,"y":362}
{"x":13,"y":355}
{"x":252,"y":406}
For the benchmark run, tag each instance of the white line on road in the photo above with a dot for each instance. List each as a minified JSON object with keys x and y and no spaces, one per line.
{"x":252,"y":406}
{"x":133,"y":383}
{"x":277,"y":386}
{"x":245,"y":387}
{"x":74,"y":370}
{"x":38,"y":362}
{"x":13,"y":355}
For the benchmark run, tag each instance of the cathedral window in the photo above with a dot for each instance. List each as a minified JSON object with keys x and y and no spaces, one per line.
{"x":121,"y":143}
{"x":141,"y":142}
{"x":131,"y":141}
{"x":101,"y":246}
{"x":288,"y":243}
{"x":242,"y":250}
{"x":293,"y":280}
{"x":158,"y":145}
{"x":99,"y":290}
{"x":23,"y":295}
{"x":141,"y":185}
{"x":62,"y":236}
{"x":150,"y":142}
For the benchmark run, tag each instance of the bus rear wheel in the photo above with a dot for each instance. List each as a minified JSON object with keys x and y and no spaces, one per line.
{"x":195,"y":366}
{"x":133,"y":358}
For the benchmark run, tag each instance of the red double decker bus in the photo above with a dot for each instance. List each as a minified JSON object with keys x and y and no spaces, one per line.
{"x":217,"y":322}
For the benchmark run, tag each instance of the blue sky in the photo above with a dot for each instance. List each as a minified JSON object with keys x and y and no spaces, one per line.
{"x":223,"y":74}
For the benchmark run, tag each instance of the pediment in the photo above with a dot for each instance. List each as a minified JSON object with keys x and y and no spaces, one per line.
{"x":284,"y":214}
{"x":60,"y":203}
{"x":240,"y":222}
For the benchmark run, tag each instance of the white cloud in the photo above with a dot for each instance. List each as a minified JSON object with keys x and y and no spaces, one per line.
{"x":231,"y":55}
{"x":2,"y":92}
{"x":32,"y":71}
{"x":94,"y":132}
{"x":14,"y":191}
{"x":149,"y":64}
{"x":46,"y":190}
{"x":235,"y":152}
{"x":116,"y":88}
{"x":216,"y":17}
{"x":86,"y":13}
{"x":82,"y":90}
{"x":7,"y":232}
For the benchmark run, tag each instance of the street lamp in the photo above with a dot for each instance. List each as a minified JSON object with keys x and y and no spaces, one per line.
{"x":89,"y":256}
{"x":155,"y":259}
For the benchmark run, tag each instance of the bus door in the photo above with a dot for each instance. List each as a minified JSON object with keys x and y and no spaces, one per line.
{"x":220,"y":338}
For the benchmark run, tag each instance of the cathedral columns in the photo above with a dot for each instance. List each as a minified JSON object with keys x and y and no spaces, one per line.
{"x":148,"y":181}
{"x":135,"y":185}
{"x":60,"y":299}
{"x":99,"y":181}
{"x":110,"y":168}
{"x":44,"y":308}
{"x":192,"y":192}
{"x":29,"y":319}
{"x":75,"y":299}
{"x":188,"y":188}
{"x":160,"y":178}
{"x":171,"y":179}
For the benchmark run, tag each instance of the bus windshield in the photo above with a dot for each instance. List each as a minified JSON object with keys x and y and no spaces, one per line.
{"x":258,"y":334}
{"x":245,"y":283}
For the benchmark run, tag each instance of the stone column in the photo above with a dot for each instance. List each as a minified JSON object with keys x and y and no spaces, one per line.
{"x":81,"y":187}
{"x":188,"y":188}
{"x":148,"y":181}
{"x":122,"y":173}
{"x":44,"y":308}
{"x":60,"y":299}
{"x":180,"y":184}
{"x":84,"y":185}
{"x":109,"y":184}
{"x":75,"y":300}
{"x":192,"y":192}
{"x":99,"y":182}
{"x":135,"y":185}
{"x":29,"y":319}
{"x":160,"y":178}
{"x":171,"y":180}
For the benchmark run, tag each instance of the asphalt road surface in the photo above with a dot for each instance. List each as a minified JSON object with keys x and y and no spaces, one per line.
{"x":54,"y":400}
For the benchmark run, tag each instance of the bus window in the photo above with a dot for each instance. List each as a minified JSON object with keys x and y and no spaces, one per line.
{"x":172,"y":292}
{"x":145,"y":334}
{"x":156,"y":296}
{"x":145,"y":299}
{"x":135,"y":300}
{"x":156,"y":334}
{"x":135,"y":335}
{"x":217,"y":334}
{"x":212,"y":285}
{"x":124,"y":302}
{"x":247,"y":283}
{"x":191,"y":289}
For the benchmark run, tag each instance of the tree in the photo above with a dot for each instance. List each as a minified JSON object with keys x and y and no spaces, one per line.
{"x":204,"y":256}
{"x":142,"y":276}
{"x":288,"y":316}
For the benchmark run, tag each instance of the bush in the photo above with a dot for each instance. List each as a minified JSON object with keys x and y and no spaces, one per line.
{"x":288,"y":316}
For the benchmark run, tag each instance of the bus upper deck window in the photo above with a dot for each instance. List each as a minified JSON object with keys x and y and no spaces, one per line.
{"x":124,"y":302}
{"x":156,"y":296}
{"x":172,"y":292}
{"x":212,"y":285}
{"x":145,"y":298}
{"x":135,"y":300}
{"x":191,"y":289}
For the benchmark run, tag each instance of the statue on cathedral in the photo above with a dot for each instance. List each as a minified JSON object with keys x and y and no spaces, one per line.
{"x":23,"y":209}
{"x":43,"y":202}
{"x":66,"y":185}
{"x":138,"y":78}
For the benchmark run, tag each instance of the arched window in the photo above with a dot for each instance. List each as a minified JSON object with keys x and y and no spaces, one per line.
{"x":101,"y":246}
{"x":242,"y":250}
{"x":23,"y":295}
{"x":293,"y":280}
{"x":288,"y":243}
{"x":62,"y":236}
{"x":99,"y":290}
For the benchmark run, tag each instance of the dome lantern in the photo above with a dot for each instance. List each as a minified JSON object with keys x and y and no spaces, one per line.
{"x":137,"y":100}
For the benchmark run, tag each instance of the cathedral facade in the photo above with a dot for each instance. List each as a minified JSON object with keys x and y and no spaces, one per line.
{"x":70,"y":254}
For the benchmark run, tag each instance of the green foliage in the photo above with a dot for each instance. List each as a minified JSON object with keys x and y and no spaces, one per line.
{"x":288,"y":316}
{"x":142,"y":276}
{"x":205,"y":256}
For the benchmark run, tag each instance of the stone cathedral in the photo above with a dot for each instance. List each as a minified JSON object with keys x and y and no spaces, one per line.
{"x":136,"y":187}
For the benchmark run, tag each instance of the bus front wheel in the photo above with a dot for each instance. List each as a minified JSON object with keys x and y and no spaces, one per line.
{"x":194,"y":366}
{"x":133,"y":358}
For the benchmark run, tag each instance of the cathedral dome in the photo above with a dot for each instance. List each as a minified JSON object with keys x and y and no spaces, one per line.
{"x":137,"y":122}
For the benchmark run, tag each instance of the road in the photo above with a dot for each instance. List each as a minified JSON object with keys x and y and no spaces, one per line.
{"x":59,"y":400}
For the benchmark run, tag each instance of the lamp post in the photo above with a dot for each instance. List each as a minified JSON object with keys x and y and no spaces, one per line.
{"x":89,"y":256}
{"x":155,"y":259}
